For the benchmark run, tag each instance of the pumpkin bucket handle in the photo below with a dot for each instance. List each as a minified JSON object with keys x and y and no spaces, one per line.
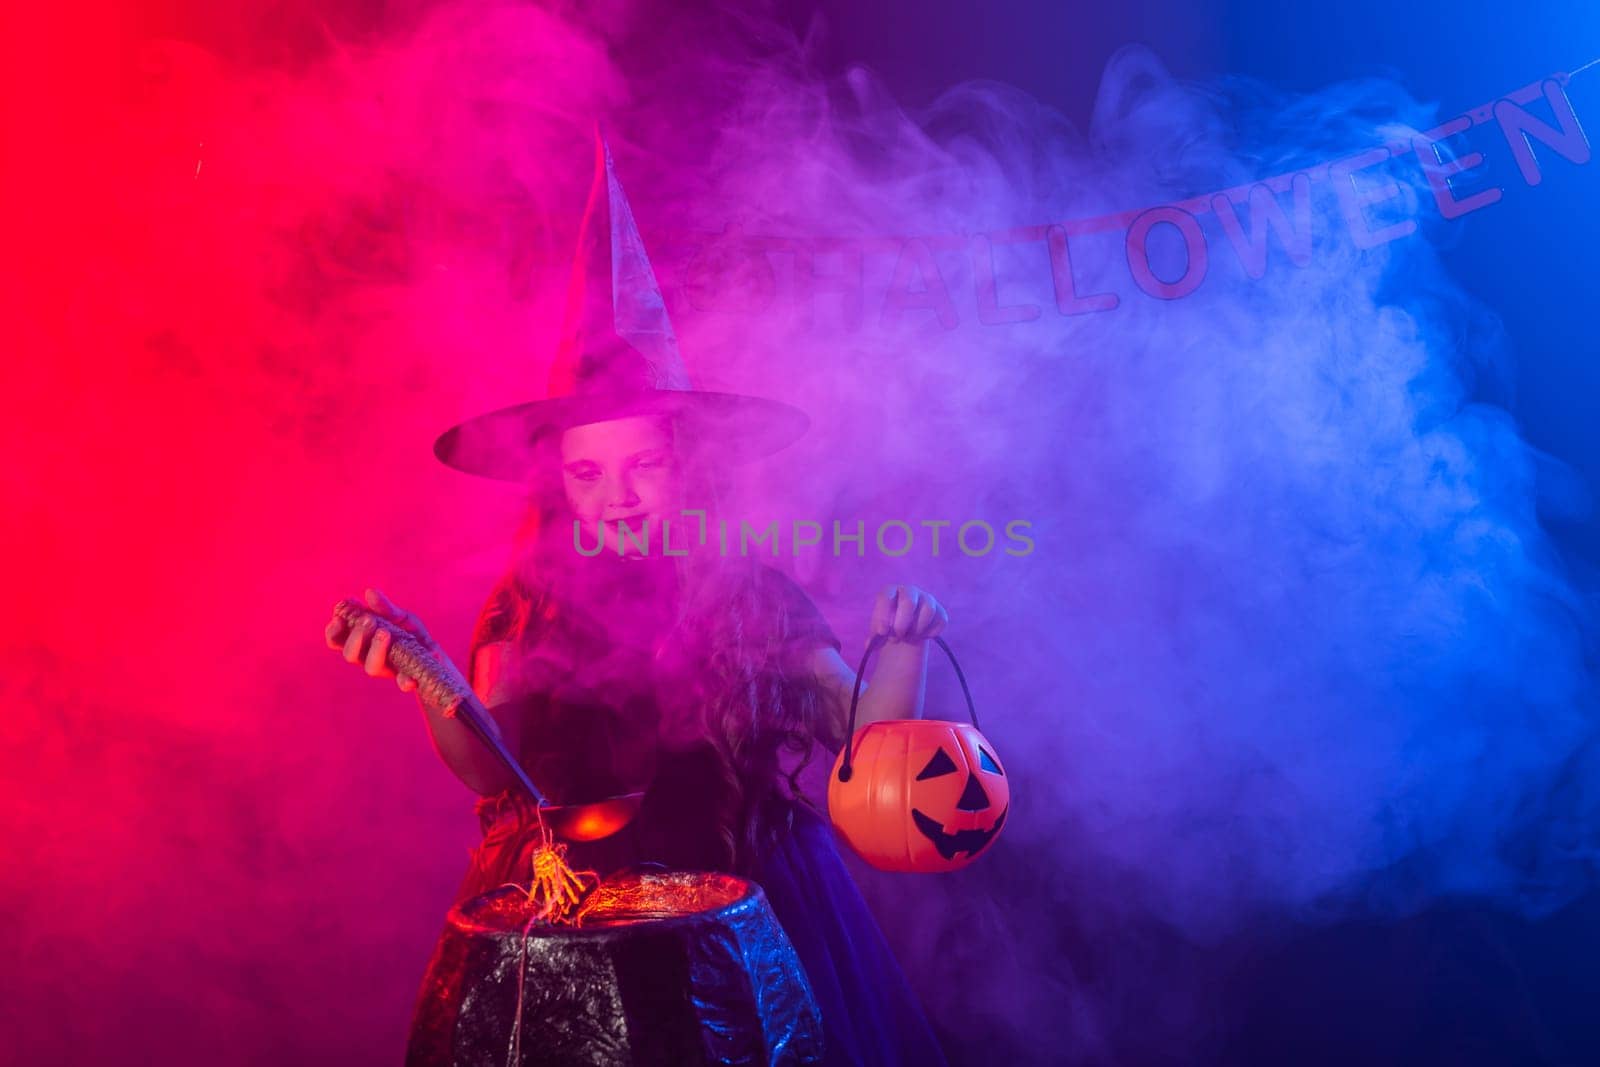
{"x":877,"y":642}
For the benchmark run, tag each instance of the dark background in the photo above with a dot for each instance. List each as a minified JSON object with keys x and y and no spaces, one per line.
{"x":1461,"y":983}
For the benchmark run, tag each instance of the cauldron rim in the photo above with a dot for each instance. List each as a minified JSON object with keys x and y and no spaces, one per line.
{"x":743,"y":894}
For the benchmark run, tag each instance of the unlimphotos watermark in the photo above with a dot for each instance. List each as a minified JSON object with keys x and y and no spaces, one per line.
{"x":892,"y":537}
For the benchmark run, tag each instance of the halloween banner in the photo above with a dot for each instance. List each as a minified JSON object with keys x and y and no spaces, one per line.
{"x":1169,"y":250}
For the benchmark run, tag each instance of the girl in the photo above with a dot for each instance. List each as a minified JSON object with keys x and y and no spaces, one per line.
{"x":704,"y":680}
{"x":690,"y":677}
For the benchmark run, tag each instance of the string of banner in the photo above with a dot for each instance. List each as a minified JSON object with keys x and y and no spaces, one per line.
{"x":738,"y":272}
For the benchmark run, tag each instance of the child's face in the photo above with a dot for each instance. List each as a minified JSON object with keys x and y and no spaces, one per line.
{"x":622,"y":469}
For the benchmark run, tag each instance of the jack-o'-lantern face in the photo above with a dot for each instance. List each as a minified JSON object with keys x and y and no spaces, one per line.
{"x":924,"y":795}
{"x":960,"y":796}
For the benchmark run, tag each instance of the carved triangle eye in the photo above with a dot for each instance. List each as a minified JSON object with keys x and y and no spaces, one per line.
{"x":940,"y":764}
{"x":986,"y":763}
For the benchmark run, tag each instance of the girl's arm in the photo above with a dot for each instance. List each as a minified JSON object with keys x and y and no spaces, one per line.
{"x":467,"y":757}
{"x":907,"y":617}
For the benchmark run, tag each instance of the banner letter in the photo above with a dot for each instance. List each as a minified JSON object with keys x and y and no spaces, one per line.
{"x":1353,"y":202}
{"x":1518,"y":126}
{"x":1194,"y":242}
{"x":847,"y":283}
{"x":1439,"y":171}
{"x":1265,"y":213}
{"x":990,"y":312}
{"x":934,"y":295}
{"x":1068,"y":302}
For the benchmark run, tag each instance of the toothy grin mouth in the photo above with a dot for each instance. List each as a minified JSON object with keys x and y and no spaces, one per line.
{"x":971,"y":842}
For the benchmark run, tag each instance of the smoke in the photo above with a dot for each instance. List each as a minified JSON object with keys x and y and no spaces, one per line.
{"x":1290,"y":641}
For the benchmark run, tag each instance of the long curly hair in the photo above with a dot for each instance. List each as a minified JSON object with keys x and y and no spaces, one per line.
{"x":750,"y":698}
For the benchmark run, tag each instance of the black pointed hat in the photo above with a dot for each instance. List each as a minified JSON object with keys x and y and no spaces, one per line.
{"x":617,"y":357}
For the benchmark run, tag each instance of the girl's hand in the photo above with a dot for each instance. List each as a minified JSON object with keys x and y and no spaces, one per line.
{"x":368,"y":644}
{"x":906,"y":613}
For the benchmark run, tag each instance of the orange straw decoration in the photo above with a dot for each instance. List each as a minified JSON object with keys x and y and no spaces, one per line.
{"x":557,"y":889}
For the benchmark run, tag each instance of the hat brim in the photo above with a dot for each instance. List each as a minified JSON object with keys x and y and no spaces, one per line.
{"x":500,"y":444}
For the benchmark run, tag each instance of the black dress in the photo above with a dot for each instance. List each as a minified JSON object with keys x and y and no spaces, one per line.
{"x":592,"y":733}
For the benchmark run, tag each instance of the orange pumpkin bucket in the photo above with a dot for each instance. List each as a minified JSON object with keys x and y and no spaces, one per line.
{"x":918,"y":794}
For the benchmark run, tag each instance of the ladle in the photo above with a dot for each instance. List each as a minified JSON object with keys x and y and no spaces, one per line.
{"x":440,"y":685}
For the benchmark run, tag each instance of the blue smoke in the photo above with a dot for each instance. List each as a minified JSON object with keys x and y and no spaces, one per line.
{"x":1293,"y":642}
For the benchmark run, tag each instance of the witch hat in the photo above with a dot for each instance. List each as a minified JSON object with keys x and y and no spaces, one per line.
{"x":617,"y":357}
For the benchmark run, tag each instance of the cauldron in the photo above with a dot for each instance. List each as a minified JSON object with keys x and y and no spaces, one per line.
{"x":667,"y":967}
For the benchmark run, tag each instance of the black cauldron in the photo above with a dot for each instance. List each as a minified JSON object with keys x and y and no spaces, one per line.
{"x":667,"y":967}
